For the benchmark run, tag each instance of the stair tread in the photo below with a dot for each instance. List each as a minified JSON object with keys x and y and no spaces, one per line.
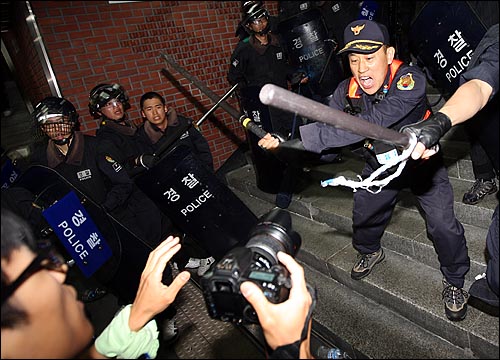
{"x":397,"y":283}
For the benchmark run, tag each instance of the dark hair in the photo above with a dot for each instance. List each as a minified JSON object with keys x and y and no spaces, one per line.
{"x":151,"y":95}
{"x":16,"y":233}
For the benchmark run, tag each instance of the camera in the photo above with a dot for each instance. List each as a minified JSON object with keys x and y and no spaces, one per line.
{"x":257,"y":261}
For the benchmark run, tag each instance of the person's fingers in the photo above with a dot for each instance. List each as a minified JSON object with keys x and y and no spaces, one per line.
{"x":163,"y":247}
{"x":429,"y":152}
{"x":161,"y":263}
{"x":296,"y":274}
{"x":418,"y":151}
{"x":159,"y":257}
{"x":179,"y":281}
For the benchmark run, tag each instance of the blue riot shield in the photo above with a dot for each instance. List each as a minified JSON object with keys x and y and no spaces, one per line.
{"x":442,"y":38}
{"x":197,"y":202}
{"x":9,"y":172}
{"x":309,"y":49}
{"x":104,"y":248}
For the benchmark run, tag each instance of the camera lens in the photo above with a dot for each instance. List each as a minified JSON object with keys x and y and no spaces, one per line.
{"x":274,"y":233}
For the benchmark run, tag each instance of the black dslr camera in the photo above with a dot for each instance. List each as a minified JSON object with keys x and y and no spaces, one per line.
{"x":257,"y":261}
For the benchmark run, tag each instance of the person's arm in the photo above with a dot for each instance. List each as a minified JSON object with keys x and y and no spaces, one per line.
{"x":121,"y":184}
{"x":466,"y":102}
{"x":153,"y":296}
{"x":237,"y":66}
{"x":284,"y":323}
{"x":133,"y":336}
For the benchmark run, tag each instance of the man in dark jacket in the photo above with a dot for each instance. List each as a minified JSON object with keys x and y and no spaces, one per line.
{"x":164,"y":126}
{"x":389,"y":93}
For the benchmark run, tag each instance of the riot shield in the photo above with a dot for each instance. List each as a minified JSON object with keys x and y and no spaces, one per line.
{"x":197,"y":202}
{"x":310,"y":49}
{"x":121,"y":272}
{"x":269,"y":171}
{"x":442,"y":38}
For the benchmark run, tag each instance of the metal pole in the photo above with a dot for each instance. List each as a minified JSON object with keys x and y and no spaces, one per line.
{"x":286,"y":100}
{"x":214,"y":97}
{"x":213,"y":108}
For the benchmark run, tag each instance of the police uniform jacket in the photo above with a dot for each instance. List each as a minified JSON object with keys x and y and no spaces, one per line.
{"x":96,"y":175}
{"x":120,"y":141}
{"x":256,"y":65}
{"x":153,"y":138}
{"x":401,"y":101}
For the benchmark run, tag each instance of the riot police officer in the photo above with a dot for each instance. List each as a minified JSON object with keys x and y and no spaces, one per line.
{"x":258,"y":60}
{"x":75,"y":156}
{"x":116,"y":132}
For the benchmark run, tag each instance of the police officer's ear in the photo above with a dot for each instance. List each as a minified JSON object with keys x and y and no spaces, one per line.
{"x":390,"y":52}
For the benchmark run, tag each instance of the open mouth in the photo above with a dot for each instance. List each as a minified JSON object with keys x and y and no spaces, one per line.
{"x":366,"y":82}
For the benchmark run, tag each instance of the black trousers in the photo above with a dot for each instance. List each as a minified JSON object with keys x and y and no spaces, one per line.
{"x":429,"y":182}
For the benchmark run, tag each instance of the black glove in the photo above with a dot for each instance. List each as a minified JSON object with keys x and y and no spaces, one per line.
{"x":429,"y":131}
{"x":147,"y":161}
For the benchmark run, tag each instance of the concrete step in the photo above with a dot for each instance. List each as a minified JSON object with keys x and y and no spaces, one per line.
{"x":396,"y":312}
{"x":406,"y":232}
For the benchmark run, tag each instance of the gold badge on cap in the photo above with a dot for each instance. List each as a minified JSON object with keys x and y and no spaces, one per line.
{"x":356,"y":30}
{"x":406,"y":82}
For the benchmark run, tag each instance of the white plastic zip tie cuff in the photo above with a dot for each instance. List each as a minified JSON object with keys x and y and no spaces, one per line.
{"x":369,"y":182}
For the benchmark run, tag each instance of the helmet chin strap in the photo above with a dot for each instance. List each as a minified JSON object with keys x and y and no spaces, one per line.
{"x":64,"y":141}
{"x":265,"y":31}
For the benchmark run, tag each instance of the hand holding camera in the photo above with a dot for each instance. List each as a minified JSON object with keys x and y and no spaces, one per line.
{"x":289,"y":316}
{"x":258,"y":262}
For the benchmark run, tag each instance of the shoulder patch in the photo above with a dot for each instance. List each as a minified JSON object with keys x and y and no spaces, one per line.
{"x":235,"y":62}
{"x":116,"y":166}
{"x":406,"y":82}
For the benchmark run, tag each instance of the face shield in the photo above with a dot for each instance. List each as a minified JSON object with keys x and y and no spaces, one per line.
{"x":57,"y":127}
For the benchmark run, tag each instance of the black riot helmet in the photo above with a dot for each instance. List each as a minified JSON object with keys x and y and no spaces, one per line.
{"x":251,"y":11}
{"x":56,"y":117}
{"x":101,"y":94}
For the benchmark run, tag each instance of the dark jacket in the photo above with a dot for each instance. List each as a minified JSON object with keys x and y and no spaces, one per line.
{"x":121,"y":141}
{"x":255,"y":65}
{"x":153,"y":138}
{"x":95,"y":174}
